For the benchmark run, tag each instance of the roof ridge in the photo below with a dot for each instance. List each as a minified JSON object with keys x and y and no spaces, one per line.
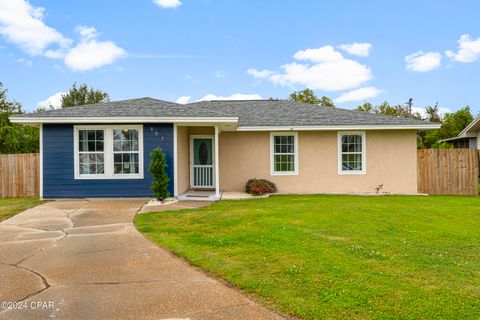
{"x":203,"y":108}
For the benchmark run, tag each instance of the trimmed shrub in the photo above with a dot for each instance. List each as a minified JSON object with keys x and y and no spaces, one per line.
{"x":257,"y":187}
{"x":158,"y":164}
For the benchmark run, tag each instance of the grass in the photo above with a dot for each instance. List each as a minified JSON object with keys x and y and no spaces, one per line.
{"x":337,"y":257}
{"x":11,"y":206}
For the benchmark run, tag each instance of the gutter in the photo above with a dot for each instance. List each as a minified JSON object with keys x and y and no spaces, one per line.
{"x":341,"y":127}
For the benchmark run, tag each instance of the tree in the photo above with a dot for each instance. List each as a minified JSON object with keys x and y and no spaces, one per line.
{"x":308,"y":96}
{"x":15,"y":138}
{"x":157,"y":167}
{"x":453,"y":123}
{"x":433,"y":114}
{"x":304,"y":96}
{"x":83,"y":95}
{"x":326,"y":102}
{"x":386,"y":109}
{"x":366,"y":107}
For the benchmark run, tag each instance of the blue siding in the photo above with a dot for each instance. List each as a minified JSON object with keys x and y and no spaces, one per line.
{"x":58,"y":165}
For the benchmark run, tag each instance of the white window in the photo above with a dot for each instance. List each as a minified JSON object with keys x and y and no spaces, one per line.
{"x":284,"y":153}
{"x":125,"y":151}
{"x":91,"y":152}
{"x":351,"y":152}
{"x":108,"y":152}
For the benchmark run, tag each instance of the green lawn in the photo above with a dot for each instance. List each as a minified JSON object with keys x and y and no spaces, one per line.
{"x":337,"y":257}
{"x":11,"y":206}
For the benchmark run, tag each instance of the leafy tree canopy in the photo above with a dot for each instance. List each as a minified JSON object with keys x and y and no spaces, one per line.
{"x":78,"y":96}
{"x":15,"y":138}
{"x":386,"y":109}
{"x":433,"y":114}
{"x":308,"y":96}
{"x":451,"y":124}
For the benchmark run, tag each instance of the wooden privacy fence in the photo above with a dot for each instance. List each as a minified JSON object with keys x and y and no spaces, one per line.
{"x":19,"y":175}
{"x":448,"y":171}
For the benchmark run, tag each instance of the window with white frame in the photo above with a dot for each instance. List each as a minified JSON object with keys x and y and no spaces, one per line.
{"x":125,"y":151}
{"x":283,"y":153}
{"x":108,"y":152}
{"x":351,"y":150}
{"x":91,"y":152}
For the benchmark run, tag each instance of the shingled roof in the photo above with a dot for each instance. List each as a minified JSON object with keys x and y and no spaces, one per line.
{"x":258,"y":113}
{"x":250,"y":113}
{"x":141,"y":107}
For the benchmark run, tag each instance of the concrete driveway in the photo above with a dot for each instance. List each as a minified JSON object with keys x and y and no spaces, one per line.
{"x":85,"y":260}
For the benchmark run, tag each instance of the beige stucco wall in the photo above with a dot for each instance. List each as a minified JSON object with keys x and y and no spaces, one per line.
{"x":391,"y":160}
{"x":183,"y":151}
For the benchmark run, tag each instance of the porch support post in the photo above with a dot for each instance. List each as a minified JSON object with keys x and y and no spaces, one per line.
{"x":217,"y":164}
{"x":175,"y":161}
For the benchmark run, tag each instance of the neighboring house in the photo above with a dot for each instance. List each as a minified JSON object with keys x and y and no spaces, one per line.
{"x":102,"y":150}
{"x":468,"y":138}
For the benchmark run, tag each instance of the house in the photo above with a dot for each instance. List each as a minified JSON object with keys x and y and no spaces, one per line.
{"x":468,"y":138}
{"x":102,"y":150}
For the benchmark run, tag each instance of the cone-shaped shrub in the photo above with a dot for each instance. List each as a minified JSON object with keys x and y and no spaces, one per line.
{"x":158,"y":164}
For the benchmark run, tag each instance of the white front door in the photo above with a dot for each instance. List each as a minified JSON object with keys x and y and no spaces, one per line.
{"x":202,"y":172}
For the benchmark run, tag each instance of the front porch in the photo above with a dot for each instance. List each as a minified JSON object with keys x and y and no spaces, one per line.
{"x":196,"y":158}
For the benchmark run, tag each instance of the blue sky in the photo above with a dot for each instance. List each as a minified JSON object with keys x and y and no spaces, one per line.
{"x":351,"y":51}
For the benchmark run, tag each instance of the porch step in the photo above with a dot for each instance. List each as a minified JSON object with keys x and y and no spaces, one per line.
{"x":193,"y":195}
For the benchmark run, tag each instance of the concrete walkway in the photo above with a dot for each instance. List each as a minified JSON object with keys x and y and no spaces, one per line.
{"x":85,"y":260}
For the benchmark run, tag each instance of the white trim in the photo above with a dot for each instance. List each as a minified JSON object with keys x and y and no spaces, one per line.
{"x":470,"y":125}
{"x":336,"y":128}
{"x":41,"y":162}
{"x":122,"y":119}
{"x":216,"y":163}
{"x":108,"y":153}
{"x":272,"y":164}
{"x":339,"y":153}
{"x":175,"y":159}
{"x":193,"y":120}
{"x":202,"y":136}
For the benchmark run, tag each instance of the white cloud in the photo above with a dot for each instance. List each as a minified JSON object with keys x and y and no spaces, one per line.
{"x":184,"y":99}
{"x":235,"y":96}
{"x":359,"y":94}
{"x":22,"y":24}
{"x":422,"y":62}
{"x":93,"y":54}
{"x":357,"y":49}
{"x":323,"y":54}
{"x":332,"y":76}
{"x":468,"y":50}
{"x":330,"y":71}
{"x":259,"y":74}
{"x":87,"y":33}
{"x":89,"y":53}
{"x":168,"y":3}
{"x":54,"y":101}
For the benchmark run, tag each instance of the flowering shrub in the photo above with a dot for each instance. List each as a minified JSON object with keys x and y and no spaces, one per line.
{"x":258,"y":187}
